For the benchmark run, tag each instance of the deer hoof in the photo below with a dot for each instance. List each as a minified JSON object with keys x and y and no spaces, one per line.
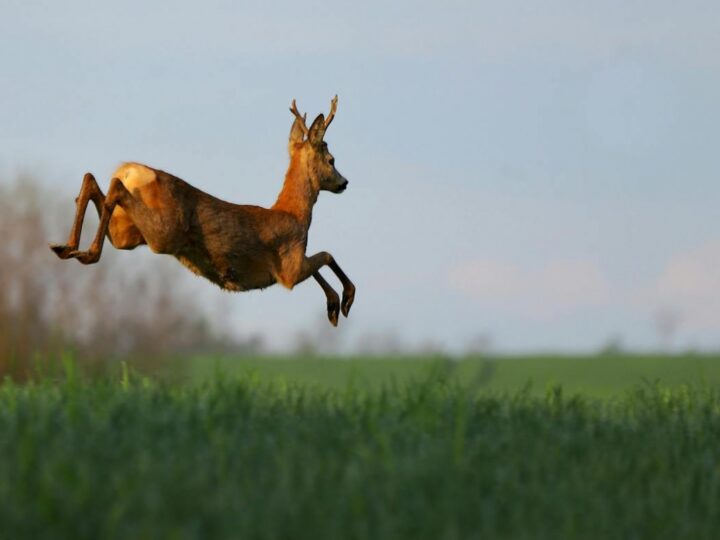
{"x":333,"y":310}
{"x":348,"y":299}
{"x":62,"y":250}
{"x":85,"y":257}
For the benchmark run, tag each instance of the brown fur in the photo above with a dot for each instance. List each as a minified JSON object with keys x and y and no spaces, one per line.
{"x":238,"y":247}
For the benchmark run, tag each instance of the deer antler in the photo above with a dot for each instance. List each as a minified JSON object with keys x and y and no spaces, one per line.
{"x":333,"y":108}
{"x":300,"y":117}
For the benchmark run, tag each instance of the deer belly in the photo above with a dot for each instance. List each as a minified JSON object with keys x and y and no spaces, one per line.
{"x":243,"y":275}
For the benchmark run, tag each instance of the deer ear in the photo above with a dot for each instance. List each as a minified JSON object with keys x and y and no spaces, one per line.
{"x":317,"y":130}
{"x":297,"y":133}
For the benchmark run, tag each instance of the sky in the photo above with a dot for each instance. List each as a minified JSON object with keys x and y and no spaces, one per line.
{"x":534,"y":176}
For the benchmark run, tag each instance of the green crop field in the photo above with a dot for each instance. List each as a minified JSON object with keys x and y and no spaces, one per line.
{"x":366,"y":449}
{"x":597,"y":375}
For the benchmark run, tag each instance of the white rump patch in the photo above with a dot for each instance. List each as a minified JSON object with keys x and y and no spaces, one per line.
{"x":134,"y":175}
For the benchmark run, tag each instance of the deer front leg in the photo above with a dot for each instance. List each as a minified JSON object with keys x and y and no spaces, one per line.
{"x":333,"y":300}
{"x":348,"y":287}
{"x":311,"y":265}
{"x":117,"y":195}
{"x":89,"y":191}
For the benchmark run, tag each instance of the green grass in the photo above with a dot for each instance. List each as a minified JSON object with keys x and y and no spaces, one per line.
{"x":255,"y":456}
{"x":598,"y":376}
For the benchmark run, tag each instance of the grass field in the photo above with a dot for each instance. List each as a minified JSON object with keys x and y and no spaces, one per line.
{"x":595,"y":375}
{"x":255,"y":454}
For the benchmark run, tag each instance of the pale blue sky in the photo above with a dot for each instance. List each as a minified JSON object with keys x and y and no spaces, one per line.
{"x":545,"y":173}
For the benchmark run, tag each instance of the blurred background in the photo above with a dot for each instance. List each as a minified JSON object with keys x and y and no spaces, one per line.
{"x":523,"y":176}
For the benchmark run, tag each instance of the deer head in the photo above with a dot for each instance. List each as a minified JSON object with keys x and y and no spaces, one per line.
{"x":308,"y":146}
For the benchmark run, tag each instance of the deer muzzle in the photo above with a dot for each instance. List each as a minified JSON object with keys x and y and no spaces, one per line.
{"x":341,"y":184}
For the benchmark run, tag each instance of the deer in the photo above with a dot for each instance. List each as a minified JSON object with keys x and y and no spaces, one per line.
{"x":236,"y":246}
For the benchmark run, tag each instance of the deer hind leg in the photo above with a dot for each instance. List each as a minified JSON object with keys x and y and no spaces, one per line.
{"x":117,"y":195}
{"x":89,"y":191}
{"x":122,"y":231}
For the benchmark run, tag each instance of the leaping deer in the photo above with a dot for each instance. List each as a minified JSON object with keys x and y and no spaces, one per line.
{"x":238,"y":247}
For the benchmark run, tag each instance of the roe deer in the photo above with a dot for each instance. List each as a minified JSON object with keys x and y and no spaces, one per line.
{"x":238,"y":247}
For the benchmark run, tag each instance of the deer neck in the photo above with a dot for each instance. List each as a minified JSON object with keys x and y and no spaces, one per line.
{"x":298,"y":195}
